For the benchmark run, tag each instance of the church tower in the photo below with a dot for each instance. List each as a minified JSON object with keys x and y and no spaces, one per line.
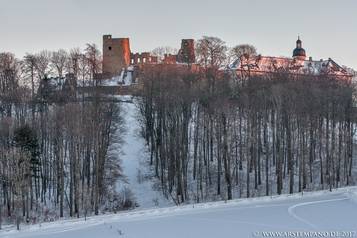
{"x":299,"y":52}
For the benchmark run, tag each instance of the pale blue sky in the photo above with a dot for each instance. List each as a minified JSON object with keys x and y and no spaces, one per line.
{"x":328,"y":28}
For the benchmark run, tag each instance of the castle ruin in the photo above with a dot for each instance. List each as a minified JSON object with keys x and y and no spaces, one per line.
{"x":187,"y":52}
{"x":118,"y":56}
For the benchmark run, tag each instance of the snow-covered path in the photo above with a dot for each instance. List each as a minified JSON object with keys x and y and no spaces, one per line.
{"x":134,"y":159}
{"x":314,"y":212}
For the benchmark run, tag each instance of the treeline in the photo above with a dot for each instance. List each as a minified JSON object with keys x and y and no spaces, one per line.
{"x":212,"y":136}
{"x":53,"y":153}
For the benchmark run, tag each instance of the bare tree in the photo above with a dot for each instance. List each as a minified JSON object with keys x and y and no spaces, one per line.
{"x":73,"y":61}
{"x":161,"y":51}
{"x":29,"y":63}
{"x":43,"y":60}
{"x":20,"y":163}
{"x":211,"y":51}
{"x":244,"y":50}
{"x":58,"y":61}
{"x":94,"y":60}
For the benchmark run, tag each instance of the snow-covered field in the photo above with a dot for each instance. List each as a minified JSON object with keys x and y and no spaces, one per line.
{"x":322,"y":211}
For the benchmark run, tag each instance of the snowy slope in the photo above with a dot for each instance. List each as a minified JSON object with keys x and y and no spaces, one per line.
{"x":125,"y":78}
{"x":314,"y":212}
{"x":134,"y":160}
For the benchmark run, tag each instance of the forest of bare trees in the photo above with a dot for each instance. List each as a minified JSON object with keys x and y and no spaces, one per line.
{"x":213,"y":136}
{"x":53,"y":152}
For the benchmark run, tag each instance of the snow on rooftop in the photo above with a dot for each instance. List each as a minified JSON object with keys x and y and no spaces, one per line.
{"x":274,"y":64}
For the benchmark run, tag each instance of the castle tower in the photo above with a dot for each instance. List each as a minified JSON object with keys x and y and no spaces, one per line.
{"x":116,"y":54}
{"x":187,"y":52}
{"x":299,"y":53}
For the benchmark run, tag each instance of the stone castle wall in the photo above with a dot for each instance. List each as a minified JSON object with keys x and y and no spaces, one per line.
{"x":143,"y":58}
{"x":116,"y":54}
{"x":187,"y":52}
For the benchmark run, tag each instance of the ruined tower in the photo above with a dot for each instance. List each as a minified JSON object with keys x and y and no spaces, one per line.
{"x":116,"y":54}
{"x":187,"y":52}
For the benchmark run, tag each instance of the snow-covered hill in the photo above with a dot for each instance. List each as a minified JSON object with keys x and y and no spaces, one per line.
{"x":311,"y":212}
{"x":322,"y":211}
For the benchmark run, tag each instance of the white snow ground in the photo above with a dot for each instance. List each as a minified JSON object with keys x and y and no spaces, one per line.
{"x":313,"y":212}
{"x":124,"y":79}
{"x":134,"y":162}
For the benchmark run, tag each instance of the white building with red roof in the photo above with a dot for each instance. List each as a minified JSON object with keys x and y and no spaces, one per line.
{"x":298,"y":65}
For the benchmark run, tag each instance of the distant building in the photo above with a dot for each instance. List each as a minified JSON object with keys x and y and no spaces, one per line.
{"x":298,"y":64}
{"x":117,"y":55}
{"x":169,"y":59}
{"x":142,"y":58}
{"x":187,"y":52}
